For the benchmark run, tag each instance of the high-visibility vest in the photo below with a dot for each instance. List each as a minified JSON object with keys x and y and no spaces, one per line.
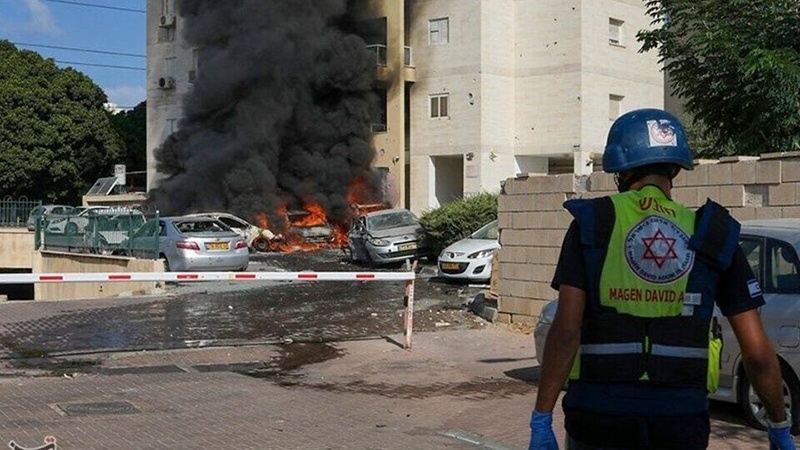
{"x":653,"y":267}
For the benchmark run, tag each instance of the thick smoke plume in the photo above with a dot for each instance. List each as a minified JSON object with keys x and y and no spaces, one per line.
{"x":279,"y":114}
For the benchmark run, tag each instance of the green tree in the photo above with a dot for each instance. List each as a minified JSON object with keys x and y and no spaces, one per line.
{"x":736,"y":64}
{"x":55,"y":136}
{"x":131,"y":127}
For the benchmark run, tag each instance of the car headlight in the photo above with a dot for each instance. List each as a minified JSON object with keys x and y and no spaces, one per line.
{"x":378,"y":242}
{"x":482,"y":254}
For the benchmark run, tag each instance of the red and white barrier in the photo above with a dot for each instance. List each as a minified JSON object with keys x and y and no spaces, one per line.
{"x":19,"y":278}
{"x":408,"y":277}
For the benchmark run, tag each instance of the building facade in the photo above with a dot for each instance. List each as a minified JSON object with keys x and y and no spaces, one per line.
{"x":476,"y":91}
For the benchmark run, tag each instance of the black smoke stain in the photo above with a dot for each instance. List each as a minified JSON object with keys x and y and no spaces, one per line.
{"x":280,"y":112}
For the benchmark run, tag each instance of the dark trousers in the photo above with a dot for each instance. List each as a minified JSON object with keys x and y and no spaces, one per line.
{"x":594,"y":431}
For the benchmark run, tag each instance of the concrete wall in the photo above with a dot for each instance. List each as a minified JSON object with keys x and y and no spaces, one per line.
{"x":533,"y":221}
{"x":59,"y":262}
{"x":16,"y":248}
{"x":17,"y":252}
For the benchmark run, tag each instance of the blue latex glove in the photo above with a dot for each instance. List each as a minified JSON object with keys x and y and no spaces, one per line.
{"x":780,"y":439}
{"x":542,"y":436}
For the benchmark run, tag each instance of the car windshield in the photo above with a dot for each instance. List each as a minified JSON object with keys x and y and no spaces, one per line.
{"x":488,"y":231}
{"x":391,"y":220}
{"x":201,"y":226}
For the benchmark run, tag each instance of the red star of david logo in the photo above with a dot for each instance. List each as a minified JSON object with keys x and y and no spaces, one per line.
{"x":650,"y":251}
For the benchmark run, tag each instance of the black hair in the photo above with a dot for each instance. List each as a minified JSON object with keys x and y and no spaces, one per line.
{"x":627,"y":178}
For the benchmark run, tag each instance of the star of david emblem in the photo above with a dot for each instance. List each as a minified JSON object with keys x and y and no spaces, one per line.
{"x":651,"y":249}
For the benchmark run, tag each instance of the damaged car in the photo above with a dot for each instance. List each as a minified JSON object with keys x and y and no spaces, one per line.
{"x":257,"y":238}
{"x":387,"y":236}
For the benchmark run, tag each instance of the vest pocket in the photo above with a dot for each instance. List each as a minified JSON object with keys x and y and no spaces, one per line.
{"x":678,"y":354}
{"x":612,"y":349}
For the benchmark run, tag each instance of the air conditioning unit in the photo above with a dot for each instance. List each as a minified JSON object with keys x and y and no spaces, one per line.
{"x":166,"y":83}
{"x":167,"y":21}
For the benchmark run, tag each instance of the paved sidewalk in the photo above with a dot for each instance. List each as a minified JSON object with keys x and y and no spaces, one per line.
{"x":454,"y":390}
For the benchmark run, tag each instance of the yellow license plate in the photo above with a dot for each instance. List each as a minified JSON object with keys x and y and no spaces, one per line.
{"x":409,"y":246}
{"x":217,"y":246}
{"x":449,"y":266}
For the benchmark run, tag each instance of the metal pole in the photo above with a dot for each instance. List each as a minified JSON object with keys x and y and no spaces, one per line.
{"x":408,"y":303}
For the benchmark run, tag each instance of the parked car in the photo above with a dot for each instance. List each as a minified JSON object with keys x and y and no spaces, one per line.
{"x":74,"y":221}
{"x":386,"y":236}
{"x":471,"y":258}
{"x":257,"y":238}
{"x":189,"y":244}
{"x":43,"y":210}
{"x":772,"y":248}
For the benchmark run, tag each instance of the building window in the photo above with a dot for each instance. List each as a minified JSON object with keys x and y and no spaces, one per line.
{"x":614,"y":106}
{"x":193,"y":70}
{"x":615,"y":31}
{"x":167,"y":7}
{"x":439,"y":31}
{"x":439,"y":105}
{"x":171,"y":126}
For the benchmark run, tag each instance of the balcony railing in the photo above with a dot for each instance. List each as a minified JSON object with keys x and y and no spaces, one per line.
{"x":380,"y":54}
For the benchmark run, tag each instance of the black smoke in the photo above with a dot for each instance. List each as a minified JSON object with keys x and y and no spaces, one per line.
{"x":279,"y":114}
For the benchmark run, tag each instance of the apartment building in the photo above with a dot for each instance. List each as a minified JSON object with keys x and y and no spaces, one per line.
{"x":476,"y":90}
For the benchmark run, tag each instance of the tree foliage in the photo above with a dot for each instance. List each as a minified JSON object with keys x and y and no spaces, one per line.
{"x":131,"y":126}
{"x":736,"y":64}
{"x":55,"y":136}
{"x":458,"y":219}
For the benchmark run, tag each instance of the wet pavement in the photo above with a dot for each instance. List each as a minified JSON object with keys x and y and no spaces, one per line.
{"x":235,"y":313}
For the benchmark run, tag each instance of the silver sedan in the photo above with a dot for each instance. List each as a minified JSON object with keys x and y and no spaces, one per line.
{"x":189,"y":244}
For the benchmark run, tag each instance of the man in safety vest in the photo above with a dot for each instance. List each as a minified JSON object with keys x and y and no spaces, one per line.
{"x":638,"y":277}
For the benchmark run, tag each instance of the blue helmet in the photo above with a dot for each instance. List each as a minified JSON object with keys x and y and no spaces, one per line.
{"x":646,"y":136}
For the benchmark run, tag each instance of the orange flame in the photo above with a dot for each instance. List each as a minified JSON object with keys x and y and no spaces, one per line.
{"x":313,"y":214}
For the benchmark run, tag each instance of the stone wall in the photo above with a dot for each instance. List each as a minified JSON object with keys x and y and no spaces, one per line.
{"x":533,"y":221}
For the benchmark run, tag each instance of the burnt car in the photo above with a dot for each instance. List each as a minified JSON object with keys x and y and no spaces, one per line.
{"x":387,"y":236}
{"x":310,"y":228}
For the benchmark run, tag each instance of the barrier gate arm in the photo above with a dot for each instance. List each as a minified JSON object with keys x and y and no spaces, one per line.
{"x":18,"y":278}
{"x":407,"y":276}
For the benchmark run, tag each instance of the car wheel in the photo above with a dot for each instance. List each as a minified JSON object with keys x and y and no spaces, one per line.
{"x":166,"y":263}
{"x":261,"y":245}
{"x":754,"y":411}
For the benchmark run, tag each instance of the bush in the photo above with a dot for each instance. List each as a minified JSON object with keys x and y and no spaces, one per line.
{"x":458,"y":219}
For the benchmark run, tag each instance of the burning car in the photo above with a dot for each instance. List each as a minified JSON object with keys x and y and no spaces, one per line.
{"x":310,"y":228}
{"x":260,"y":239}
{"x":386,"y":236}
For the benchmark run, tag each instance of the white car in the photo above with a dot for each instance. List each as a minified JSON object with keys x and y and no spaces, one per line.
{"x":470,"y":259}
{"x":257,"y":238}
{"x":772,"y":248}
{"x":77,"y":219}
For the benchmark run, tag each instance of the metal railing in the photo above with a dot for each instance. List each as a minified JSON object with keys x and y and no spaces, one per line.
{"x":113,"y":231}
{"x":15,"y":213}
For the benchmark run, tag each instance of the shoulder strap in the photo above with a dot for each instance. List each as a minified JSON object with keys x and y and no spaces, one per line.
{"x":596,"y":219}
{"x":716,"y":235}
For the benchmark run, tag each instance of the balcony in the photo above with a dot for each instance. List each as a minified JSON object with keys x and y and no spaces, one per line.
{"x":380,"y":54}
{"x":409,"y":71}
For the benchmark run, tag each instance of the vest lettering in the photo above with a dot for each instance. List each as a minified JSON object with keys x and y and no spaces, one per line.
{"x":646,"y":203}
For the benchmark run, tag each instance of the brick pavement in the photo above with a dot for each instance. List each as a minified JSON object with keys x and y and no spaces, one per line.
{"x":458,"y":389}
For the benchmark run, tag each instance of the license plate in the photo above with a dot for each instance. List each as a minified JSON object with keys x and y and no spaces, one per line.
{"x":217,"y":245}
{"x":408,"y":246}
{"x":449,"y":266}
